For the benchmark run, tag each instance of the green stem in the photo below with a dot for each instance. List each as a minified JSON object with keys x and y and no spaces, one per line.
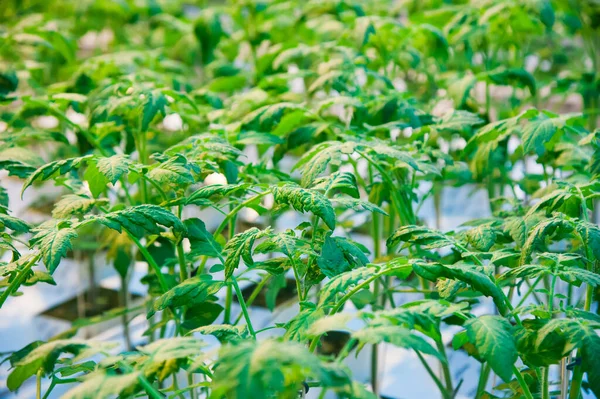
{"x":254,"y":295}
{"x":576,"y":381}
{"x":242,"y":302}
{"x":228,"y":302}
{"x":38,"y":387}
{"x":433,"y":376}
{"x":545,"y":383}
{"x":152,"y":392}
{"x":161,"y":279}
{"x":484,"y":375}
{"x":551,"y":295}
{"x":529,"y":291}
{"x":191,"y":387}
{"x":183,"y":272}
{"x":445,"y":364}
{"x":124,"y":321}
{"x":20,"y":279}
{"x":235,"y":210}
{"x":522,"y":383}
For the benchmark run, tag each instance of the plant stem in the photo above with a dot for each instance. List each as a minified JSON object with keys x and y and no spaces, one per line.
{"x":124,"y":321}
{"x":545,"y":383}
{"x":242,"y":302}
{"x":183,"y":272}
{"x":228,"y":302}
{"x":522,"y":383}
{"x":229,"y":292}
{"x":161,"y":279}
{"x":38,"y":387}
{"x":16,"y":283}
{"x":551,"y":295}
{"x":433,"y":376}
{"x":254,"y":295}
{"x":148,"y":387}
{"x":576,"y":381}
{"x":484,"y":375}
{"x":445,"y":364}
{"x":235,"y":210}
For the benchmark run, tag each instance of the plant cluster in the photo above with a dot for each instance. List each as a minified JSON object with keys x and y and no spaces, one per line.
{"x":304,"y":127}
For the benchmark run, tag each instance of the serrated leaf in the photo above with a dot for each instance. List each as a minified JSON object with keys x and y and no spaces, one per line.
{"x":97,"y":182}
{"x":304,"y":199}
{"x":224,"y":332}
{"x":420,"y":235}
{"x":267,"y":368}
{"x":493,"y":336}
{"x":201,"y":241}
{"x":240,"y":247}
{"x":339,"y":255}
{"x":15,"y":224}
{"x":140,"y":220}
{"x":174,"y":172}
{"x":395,"y":335}
{"x":103,"y":385}
{"x":344,"y":182}
{"x":189,"y":292}
{"x":72,"y":204}
{"x":468,"y":274}
{"x":154,"y":104}
{"x":46,"y":355}
{"x":54,"y":241}
{"x":113,"y":168}
{"x":315,"y":161}
{"x":582,"y":334}
{"x":52,"y":169}
{"x":357,"y":205}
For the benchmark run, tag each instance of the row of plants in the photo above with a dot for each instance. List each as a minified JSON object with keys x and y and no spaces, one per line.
{"x":348,"y":117}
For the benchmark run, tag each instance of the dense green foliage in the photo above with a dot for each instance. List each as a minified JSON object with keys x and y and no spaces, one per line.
{"x":349,"y":115}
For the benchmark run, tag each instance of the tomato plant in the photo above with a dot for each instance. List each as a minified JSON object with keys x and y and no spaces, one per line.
{"x":285,"y":152}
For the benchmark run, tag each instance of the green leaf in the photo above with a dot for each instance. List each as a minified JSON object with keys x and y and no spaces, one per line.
{"x":481,"y":237}
{"x":175,"y":172}
{"x":343,"y":182}
{"x":166,"y":349}
{"x":15,"y":224}
{"x":401,"y":337}
{"x":73,"y":204}
{"x":304,"y":199}
{"x":339,"y":255}
{"x":45,"y":357}
{"x":52,"y":169}
{"x":224,"y":332}
{"x":203,"y":195}
{"x":96,"y":180}
{"x":154,"y":104}
{"x":103,"y":385}
{"x":343,"y":282}
{"x":581,"y":333}
{"x":192,"y":291}
{"x":240,"y":246}
{"x":8,"y":83}
{"x":315,"y":162}
{"x":266,"y":369}
{"x":201,"y":241}
{"x":493,"y":336}
{"x":113,"y":168}
{"x":54,"y":241}
{"x":466,"y":273}
{"x":420,"y":235}
{"x":140,"y":220}
{"x":538,"y":235}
